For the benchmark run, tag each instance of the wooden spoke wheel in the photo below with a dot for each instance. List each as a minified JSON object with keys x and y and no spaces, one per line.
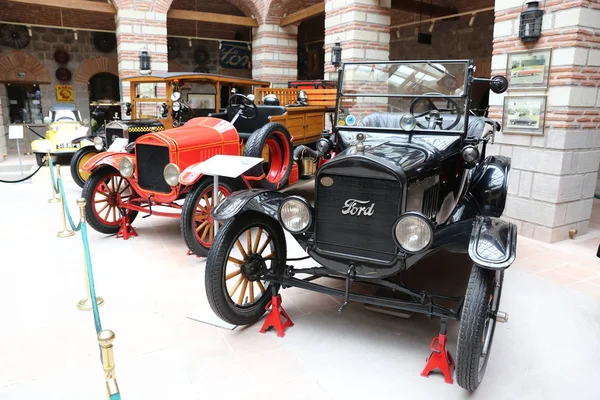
{"x":105,"y":192}
{"x":197,"y":226}
{"x":243,"y":251}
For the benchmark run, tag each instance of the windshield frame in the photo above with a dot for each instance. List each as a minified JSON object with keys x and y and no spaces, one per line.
{"x":466,"y":96}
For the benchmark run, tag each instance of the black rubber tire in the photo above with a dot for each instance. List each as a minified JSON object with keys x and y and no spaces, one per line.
{"x":215,"y":284}
{"x":75,"y":163}
{"x":40,"y":159}
{"x":188,"y":228}
{"x":88,"y":194}
{"x":254,"y":148}
{"x":474,"y":313}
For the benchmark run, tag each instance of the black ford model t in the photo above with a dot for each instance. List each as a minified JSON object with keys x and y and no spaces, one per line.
{"x":410,"y":176}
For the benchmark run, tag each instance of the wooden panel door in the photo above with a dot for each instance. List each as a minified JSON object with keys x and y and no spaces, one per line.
{"x":295,"y":124}
{"x":315,"y":123}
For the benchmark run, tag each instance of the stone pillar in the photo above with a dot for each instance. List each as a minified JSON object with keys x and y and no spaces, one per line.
{"x":275,"y":54}
{"x":3,"y":123}
{"x":361,"y":26}
{"x":137,"y":31}
{"x":553,"y":176}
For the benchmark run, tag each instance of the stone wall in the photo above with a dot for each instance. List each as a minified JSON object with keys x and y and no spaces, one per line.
{"x":553,"y":176}
{"x":44,"y":42}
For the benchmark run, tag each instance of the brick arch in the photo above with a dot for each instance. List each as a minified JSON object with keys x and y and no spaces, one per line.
{"x":20,"y":62}
{"x":275,"y":9}
{"x":95,"y":66}
{"x":251,"y":8}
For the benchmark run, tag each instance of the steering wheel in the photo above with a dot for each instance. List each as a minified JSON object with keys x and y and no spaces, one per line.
{"x":246,"y":110}
{"x":454,"y":109}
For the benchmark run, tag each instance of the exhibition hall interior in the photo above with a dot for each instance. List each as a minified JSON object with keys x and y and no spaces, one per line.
{"x":338,"y":199}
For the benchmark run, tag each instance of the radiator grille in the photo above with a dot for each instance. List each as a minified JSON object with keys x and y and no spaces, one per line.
{"x":361,"y":236}
{"x":111,"y":134}
{"x":151,"y":162}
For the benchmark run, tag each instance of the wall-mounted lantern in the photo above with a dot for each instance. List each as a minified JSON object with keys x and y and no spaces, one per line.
{"x":336,"y":54}
{"x":530,"y":27}
{"x":145,"y":68}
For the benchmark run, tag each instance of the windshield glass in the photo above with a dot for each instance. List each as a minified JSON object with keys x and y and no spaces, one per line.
{"x":433,"y":92}
{"x":65,"y":116}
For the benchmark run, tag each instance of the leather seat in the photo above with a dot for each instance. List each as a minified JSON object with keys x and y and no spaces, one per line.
{"x":246,"y":127}
{"x":392,"y":120}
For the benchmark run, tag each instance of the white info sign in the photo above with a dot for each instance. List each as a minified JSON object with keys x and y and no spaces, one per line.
{"x":15,"y":131}
{"x":229,"y":166}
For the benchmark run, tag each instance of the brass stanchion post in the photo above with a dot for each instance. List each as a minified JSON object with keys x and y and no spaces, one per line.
{"x":54,"y":199}
{"x":86,"y":304}
{"x":66,"y":232}
{"x":106,"y":339}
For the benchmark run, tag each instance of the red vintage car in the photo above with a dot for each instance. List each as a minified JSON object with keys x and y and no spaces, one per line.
{"x":162,"y":168}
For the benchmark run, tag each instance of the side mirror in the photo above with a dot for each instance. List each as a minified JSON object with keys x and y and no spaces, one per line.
{"x":499,"y":84}
{"x":47,"y":120}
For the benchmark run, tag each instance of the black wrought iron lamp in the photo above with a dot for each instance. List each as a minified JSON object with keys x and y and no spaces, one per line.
{"x":530,"y":27}
{"x":336,"y":55}
{"x":145,"y":68}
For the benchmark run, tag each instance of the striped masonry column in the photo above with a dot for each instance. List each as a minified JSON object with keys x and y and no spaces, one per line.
{"x":275,"y":54}
{"x":137,"y":31}
{"x":553,"y":176}
{"x":361,"y":26}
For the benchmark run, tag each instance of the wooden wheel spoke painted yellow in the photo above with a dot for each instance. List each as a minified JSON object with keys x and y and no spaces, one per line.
{"x":260,"y":286}
{"x":249,"y":240}
{"x":236,"y":286}
{"x":241,"y":249}
{"x":256,"y":243}
{"x":235,"y":260}
{"x":232,"y":274}
{"x":243,"y":292}
{"x":202,"y":225}
{"x":251,"y":292}
{"x":264,"y":246}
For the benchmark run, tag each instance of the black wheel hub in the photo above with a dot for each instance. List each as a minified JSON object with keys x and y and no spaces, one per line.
{"x":254,"y":268}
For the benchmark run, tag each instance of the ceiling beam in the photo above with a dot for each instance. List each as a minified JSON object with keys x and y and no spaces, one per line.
{"x":212,"y":17}
{"x":73,"y":4}
{"x":301,"y":15}
{"x":423,"y":8}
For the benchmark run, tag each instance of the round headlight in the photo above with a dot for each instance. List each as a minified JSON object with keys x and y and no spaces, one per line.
{"x":126,"y":167}
{"x":470,"y":154}
{"x":408,"y":122}
{"x":54,"y":128}
{"x":295,"y":215}
{"x":171,"y":174}
{"x":99,"y":143}
{"x":175,"y":96}
{"x":176,"y":106}
{"x":413,"y":233}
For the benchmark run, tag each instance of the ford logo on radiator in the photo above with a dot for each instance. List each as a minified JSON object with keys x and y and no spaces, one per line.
{"x":358,"y":207}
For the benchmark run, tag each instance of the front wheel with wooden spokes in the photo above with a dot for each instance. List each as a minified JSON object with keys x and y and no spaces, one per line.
{"x":105,"y":193}
{"x":243,"y":251}
{"x":197,"y":226}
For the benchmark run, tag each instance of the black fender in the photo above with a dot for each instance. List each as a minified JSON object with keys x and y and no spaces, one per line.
{"x":493,"y":243}
{"x":261,"y":200}
{"x":489,"y":185}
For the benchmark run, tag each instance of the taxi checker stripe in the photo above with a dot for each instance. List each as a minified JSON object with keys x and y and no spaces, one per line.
{"x":146,"y":128}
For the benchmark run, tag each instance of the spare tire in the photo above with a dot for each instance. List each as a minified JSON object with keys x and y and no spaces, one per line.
{"x":276,"y":170}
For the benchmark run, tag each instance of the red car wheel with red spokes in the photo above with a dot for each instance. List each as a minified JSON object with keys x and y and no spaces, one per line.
{"x":278,"y":141}
{"x":105,"y":192}
{"x":197,"y":226}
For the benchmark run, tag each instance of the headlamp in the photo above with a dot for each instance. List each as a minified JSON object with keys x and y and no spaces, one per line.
{"x":408,"y":122}
{"x":295,"y":214}
{"x":176,"y":106}
{"x":413,"y":232}
{"x":99,"y":143}
{"x":126,"y":167}
{"x":171,"y":174}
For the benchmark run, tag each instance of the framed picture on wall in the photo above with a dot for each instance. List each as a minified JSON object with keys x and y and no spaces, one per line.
{"x":529,"y":69}
{"x":202,"y":100}
{"x":524,"y":115}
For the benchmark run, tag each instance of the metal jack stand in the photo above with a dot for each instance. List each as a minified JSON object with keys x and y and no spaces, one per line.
{"x":440,"y":357}
{"x":126,"y":230}
{"x":275,"y":317}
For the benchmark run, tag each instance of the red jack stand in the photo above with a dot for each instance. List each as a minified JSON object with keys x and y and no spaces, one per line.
{"x":189,"y":253}
{"x":440,"y":357}
{"x":274,"y":319}
{"x":126,"y":230}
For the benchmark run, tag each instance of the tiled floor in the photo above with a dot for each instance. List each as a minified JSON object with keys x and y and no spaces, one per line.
{"x":154,"y":297}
